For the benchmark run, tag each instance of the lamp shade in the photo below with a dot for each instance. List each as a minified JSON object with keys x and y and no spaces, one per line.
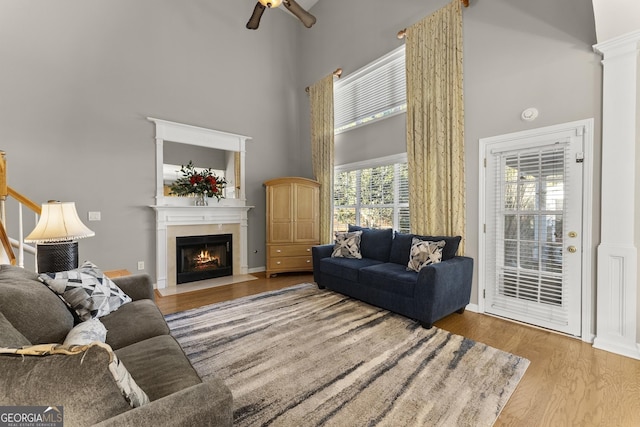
{"x":59,"y":222}
{"x":270,"y":3}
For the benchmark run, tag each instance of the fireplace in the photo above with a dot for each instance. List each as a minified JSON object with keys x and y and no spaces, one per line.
{"x":203,"y":257}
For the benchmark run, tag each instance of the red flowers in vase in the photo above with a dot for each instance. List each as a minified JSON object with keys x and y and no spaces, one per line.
{"x":202,"y":181}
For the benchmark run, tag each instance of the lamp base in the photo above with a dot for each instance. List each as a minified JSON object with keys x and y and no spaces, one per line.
{"x":55,"y":257}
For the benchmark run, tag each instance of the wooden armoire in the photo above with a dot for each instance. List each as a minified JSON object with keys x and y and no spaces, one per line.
{"x":292,"y":223}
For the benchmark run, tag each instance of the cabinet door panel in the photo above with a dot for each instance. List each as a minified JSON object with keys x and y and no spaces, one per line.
{"x":280,"y":211}
{"x":280,"y":233}
{"x":280,"y":203}
{"x":306,"y":225}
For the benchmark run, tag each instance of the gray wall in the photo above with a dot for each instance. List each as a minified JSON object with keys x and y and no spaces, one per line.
{"x":79,"y":78}
{"x":518,"y":54}
{"x":377,"y":139}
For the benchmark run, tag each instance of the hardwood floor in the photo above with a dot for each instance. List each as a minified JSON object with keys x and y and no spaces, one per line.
{"x":568,"y":383}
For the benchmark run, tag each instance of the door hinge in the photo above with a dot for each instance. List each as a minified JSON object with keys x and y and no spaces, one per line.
{"x":484,"y":228}
{"x":484,"y":294}
{"x":485,"y":162}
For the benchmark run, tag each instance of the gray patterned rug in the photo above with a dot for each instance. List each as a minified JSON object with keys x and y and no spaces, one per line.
{"x":308,"y":357}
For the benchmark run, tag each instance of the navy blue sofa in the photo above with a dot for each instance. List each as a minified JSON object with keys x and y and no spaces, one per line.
{"x":381,"y":277}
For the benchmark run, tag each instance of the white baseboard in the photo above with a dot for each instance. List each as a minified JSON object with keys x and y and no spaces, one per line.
{"x":473,"y":307}
{"x":630,"y":350}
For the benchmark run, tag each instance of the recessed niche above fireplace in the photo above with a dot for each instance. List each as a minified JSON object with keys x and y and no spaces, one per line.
{"x":203,"y":257}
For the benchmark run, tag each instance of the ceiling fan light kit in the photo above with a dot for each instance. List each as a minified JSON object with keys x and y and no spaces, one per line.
{"x":270,"y":3}
{"x":292,"y":6}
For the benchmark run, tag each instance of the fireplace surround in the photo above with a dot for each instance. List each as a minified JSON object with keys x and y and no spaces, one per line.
{"x":203,"y":257}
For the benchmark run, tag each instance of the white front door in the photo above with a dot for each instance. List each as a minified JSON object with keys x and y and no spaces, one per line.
{"x":533,"y":213}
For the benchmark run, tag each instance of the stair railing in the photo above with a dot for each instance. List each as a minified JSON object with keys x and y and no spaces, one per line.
{"x":8,"y":243}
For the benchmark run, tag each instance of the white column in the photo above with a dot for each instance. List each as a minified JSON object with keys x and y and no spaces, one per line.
{"x":617,"y":285}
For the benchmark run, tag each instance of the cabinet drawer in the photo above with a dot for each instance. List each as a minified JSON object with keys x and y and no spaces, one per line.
{"x":289,"y":250}
{"x":299,"y":262}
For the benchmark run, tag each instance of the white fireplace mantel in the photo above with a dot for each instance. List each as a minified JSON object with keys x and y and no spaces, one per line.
{"x":225,"y":214}
{"x":168,"y":216}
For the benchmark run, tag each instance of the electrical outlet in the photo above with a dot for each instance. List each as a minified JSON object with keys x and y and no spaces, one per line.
{"x":140,"y":265}
{"x":94,"y":216}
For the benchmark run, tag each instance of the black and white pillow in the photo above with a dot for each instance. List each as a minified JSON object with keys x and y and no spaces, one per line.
{"x":86,"y":290}
{"x":423,"y":253}
{"x":347,"y":245}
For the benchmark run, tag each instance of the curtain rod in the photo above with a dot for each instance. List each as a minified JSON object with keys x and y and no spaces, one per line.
{"x":337,"y":73}
{"x":403,"y":32}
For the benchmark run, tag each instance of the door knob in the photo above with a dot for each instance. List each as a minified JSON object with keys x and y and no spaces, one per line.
{"x":573,"y":234}
{"x":572,"y":249}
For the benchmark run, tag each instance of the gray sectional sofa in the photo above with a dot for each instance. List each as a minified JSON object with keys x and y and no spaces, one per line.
{"x":81,"y":382}
{"x":381,"y":277}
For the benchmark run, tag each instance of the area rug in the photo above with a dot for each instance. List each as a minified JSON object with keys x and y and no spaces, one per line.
{"x":308,"y":357}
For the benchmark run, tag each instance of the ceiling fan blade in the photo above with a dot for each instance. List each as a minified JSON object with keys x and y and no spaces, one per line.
{"x":307,"y":19}
{"x":254,"y":21}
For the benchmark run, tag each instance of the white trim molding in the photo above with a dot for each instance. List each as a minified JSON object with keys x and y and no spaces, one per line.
{"x":211,"y":218}
{"x":202,"y":137}
{"x":580,"y":128}
{"x":176,"y":215}
{"x":617,"y":280}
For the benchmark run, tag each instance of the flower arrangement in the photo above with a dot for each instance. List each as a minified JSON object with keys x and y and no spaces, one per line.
{"x":198,"y":182}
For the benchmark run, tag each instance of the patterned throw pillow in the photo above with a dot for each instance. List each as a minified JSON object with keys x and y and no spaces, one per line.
{"x":86,"y":333}
{"x":423,"y":253}
{"x":86,"y":290}
{"x":347,"y":245}
{"x":125,"y":382}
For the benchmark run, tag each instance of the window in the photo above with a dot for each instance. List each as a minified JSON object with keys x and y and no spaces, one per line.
{"x":374,"y":92}
{"x":372,"y":194}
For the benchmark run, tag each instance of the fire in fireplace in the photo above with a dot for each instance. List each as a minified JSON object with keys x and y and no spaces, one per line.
{"x":203,"y":257}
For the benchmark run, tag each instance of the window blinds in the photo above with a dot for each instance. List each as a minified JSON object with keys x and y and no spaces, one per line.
{"x":374,"y":92}
{"x":372,"y":194}
{"x":529,"y":276}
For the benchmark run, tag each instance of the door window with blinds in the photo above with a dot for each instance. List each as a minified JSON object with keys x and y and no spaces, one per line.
{"x":533,"y":201}
{"x":532,"y":217}
{"x":372,"y":194}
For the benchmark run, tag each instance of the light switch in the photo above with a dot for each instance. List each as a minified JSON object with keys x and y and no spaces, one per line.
{"x":94,"y":216}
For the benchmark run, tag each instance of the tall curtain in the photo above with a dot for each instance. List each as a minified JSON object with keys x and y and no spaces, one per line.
{"x":321,"y":99}
{"x":435,"y":124}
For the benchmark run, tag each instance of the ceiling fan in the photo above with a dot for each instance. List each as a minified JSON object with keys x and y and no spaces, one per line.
{"x":292,"y":6}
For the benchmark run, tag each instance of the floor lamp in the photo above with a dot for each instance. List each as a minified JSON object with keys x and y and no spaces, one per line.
{"x":56,"y":236}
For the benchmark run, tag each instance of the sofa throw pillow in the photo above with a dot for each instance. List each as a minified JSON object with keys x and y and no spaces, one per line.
{"x":401,"y":246}
{"x":132,"y":393}
{"x":347,"y":245}
{"x":423,"y":253}
{"x":375,"y":243}
{"x":451,"y":244}
{"x":87,"y":291}
{"x":86,"y":333}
